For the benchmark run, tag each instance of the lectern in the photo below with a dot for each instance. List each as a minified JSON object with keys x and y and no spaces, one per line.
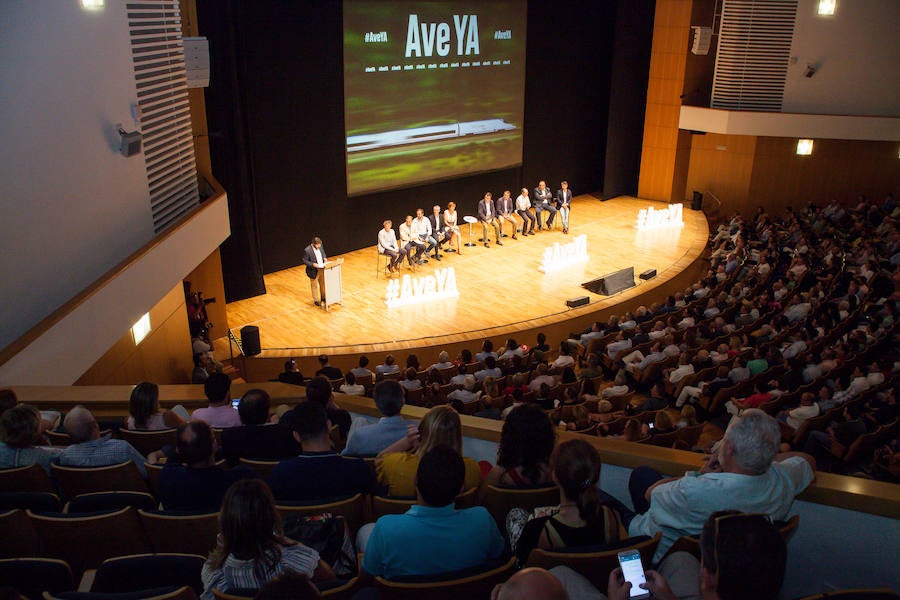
{"x":333,"y":285}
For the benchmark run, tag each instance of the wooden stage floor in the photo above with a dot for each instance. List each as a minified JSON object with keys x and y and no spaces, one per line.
{"x":501,"y":289}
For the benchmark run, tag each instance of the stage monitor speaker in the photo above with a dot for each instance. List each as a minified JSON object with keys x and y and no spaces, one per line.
{"x":250,"y":340}
{"x":648,"y":274}
{"x":579,"y":301}
{"x":697,"y":202}
{"x":611,"y":283}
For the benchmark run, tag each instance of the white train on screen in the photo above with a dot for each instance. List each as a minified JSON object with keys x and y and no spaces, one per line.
{"x":402,"y":137}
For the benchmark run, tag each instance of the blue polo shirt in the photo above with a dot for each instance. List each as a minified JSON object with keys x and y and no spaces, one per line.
{"x":427,"y":541}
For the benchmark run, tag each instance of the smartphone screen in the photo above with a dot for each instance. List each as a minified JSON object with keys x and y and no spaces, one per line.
{"x":235,"y":402}
{"x":633,"y":572}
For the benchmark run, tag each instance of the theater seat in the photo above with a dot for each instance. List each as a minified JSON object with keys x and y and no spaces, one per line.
{"x":499,"y":501}
{"x":594,"y":562}
{"x":471,"y":583}
{"x":33,"y":576}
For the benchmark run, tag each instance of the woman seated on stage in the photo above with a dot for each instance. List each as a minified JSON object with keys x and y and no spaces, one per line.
{"x":396,"y":465}
{"x":144,"y":412}
{"x":451,"y":222}
{"x":581,"y":519}
{"x":523,"y":455}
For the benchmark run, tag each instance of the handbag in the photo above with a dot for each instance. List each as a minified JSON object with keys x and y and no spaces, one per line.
{"x":328,"y":535}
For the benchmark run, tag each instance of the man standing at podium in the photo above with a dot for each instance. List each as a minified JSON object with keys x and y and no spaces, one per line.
{"x":314,"y":258}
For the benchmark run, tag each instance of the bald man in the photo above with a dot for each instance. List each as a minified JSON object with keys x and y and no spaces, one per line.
{"x":530,"y":584}
{"x":90,"y":449}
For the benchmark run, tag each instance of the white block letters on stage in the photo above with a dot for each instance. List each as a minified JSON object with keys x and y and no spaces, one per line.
{"x":650,"y":217}
{"x":559,"y":256}
{"x":409,"y":290}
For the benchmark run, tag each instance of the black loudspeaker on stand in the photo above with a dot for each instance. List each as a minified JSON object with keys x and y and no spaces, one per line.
{"x":250,"y":340}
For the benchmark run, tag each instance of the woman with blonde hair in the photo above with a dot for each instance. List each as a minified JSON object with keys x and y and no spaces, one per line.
{"x":251,"y":547}
{"x":688,"y":417}
{"x":396,"y":465}
{"x":452,"y":227}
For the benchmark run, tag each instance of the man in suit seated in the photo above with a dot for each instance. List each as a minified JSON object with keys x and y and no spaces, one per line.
{"x":542,"y":202}
{"x":318,"y":472}
{"x":257,"y":439}
{"x":369,"y":440}
{"x":403,"y":545}
{"x":487,"y":214}
{"x":438,"y":233}
{"x":506,"y":212}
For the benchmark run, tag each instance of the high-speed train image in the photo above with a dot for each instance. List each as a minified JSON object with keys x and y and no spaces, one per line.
{"x":403,"y":137}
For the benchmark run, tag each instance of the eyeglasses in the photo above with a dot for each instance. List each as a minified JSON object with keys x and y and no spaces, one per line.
{"x":725,"y":521}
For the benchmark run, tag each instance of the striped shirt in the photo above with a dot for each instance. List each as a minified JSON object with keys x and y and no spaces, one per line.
{"x":102,"y":452}
{"x":241,"y":574}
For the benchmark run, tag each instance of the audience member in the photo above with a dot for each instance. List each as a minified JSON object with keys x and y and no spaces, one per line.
{"x":396,"y":466}
{"x":319,"y":389}
{"x":389,"y":366}
{"x":369,"y":440}
{"x":88,"y":449}
{"x":403,"y":545}
{"x":362,"y":370}
{"x":532,"y":584}
{"x":144,"y":412}
{"x":257,"y":438}
{"x":191,"y":481}
{"x":291,"y":373}
{"x":318,"y":472}
{"x":251,"y":548}
{"x":220,"y":413}
{"x":581,"y":519}
{"x":746,"y":473}
{"x":326,"y":370}
{"x":352,"y":388}
{"x":20,"y":432}
{"x":523,"y":455}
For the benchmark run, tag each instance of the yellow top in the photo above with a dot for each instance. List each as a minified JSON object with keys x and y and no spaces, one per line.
{"x":397,"y":471}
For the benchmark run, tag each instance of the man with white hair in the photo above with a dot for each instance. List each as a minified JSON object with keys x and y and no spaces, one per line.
{"x":467,"y":393}
{"x":443,"y":361}
{"x":91,"y":450}
{"x":746,"y":474}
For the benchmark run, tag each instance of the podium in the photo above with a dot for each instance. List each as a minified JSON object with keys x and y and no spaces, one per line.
{"x":333,"y":284}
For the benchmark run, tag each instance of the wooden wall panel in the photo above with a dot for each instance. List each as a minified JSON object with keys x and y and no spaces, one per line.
{"x":164,"y":356}
{"x":838,"y":169}
{"x":671,"y":34}
{"x":723,"y":165}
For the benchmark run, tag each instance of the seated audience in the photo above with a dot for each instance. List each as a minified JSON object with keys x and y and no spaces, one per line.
{"x":251,"y":548}
{"x":410,"y":379}
{"x":20,"y":432}
{"x":443,"y":361}
{"x":466,"y":393}
{"x":581,"y":518}
{"x":403,"y":545}
{"x":88,"y":449}
{"x":746,"y":473}
{"x":369,"y":440}
{"x":144,"y":412}
{"x":390,"y":366}
{"x":319,"y":389}
{"x":220,"y":413}
{"x":688,"y":417}
{"x":742,"y":557}
{"x":807,"y":410}
{"x":291,"y":373}
{"x":538,"y":584}
{"x":190,"y":481}
{"x":523,"y":455}
{"x":257,"y":438}
{"x":363,"y":369}
{"x":351,"y":387}
{"x":326,"y":370}
{"x":662,"y":424}
{"x":490,"y":369}
{"x":318,"y":472}
{"x":396,"y":466}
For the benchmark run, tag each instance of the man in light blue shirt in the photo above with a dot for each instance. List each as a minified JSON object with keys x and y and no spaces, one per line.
{"x":369,"y":440}
{"x":432,"y":537}
{"x":91,"y":450}
{"x":747,"y":475}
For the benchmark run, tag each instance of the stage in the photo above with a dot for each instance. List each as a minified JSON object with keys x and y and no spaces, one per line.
{"x":501,"y":289}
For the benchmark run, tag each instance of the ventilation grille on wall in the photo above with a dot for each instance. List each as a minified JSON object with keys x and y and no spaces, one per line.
{"x":159,"y":71}
{"x":753,"y":53}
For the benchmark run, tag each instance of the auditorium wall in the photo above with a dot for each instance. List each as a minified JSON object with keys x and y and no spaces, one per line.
{"x":73,"y":206}
{"x":163,"y":357}
{"x":749,"y":171}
